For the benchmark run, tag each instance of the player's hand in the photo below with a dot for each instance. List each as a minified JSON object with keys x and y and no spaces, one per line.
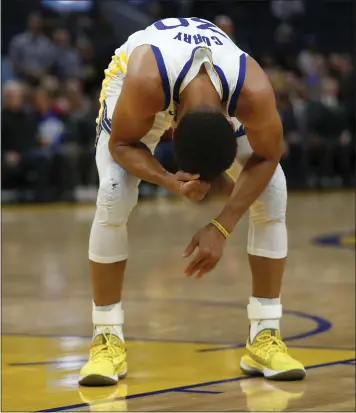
{"x":210,"y":244}
{"x":186,"y":177}
{"x":195,"y":190}
{"x":191,"y":187}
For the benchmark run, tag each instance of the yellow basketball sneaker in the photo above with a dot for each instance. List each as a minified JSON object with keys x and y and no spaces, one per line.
{"x":267,"y":355}
{"x":107,"y":361}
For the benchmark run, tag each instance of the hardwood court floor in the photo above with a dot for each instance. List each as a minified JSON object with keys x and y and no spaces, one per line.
{"x":184,"y":337}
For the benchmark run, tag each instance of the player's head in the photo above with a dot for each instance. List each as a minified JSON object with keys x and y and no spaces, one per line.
{"x":204,"y":143}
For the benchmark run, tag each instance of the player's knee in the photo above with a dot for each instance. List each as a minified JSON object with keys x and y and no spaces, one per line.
{"x":108,"y":237}
{"x":270,"y":207}
{"x":115,"y":201}
{"x":110,"y":215}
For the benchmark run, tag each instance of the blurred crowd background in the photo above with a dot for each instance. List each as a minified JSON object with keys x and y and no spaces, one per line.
{"x":54,"y":54}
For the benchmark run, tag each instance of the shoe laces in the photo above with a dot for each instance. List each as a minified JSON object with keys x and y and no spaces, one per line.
{"x":107,"y":349}
{"x":270,"y":343}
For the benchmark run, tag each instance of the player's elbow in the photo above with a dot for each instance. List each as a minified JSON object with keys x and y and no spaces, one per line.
{"x":276,"y":133}
{"x":114,"y":148}
{"x":279,"y":151}
{"x":279,"y":140}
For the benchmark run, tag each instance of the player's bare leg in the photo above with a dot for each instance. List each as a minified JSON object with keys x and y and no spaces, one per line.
{"x":106,"y":282}
{"x":267,"y":275}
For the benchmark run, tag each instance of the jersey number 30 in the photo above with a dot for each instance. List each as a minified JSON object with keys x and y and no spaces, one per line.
{"x":200,"y":24}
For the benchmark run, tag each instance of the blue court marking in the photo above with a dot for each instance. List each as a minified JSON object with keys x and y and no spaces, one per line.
{"x":144,"y":339}
{"x":334,"y":240}
{"x":79,"y":361}
{"x":350,"y":362}
{"x":197,"y":391}
{"x":184,"y":388}
{"x":322,"y":325}
{"x":49,"y":362}
{"x":316,"y":347}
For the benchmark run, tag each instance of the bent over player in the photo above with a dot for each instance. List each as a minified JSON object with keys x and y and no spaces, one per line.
{"x":189,"y":70}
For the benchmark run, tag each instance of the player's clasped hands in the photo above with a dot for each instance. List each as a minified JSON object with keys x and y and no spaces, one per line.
{"x":191,"y":187}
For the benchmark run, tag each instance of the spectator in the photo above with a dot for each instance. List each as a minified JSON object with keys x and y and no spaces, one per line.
{"x":50,"y":125}
{"x":286,"y":10}
{"x":299,"y":95}
{"x":293,"y":159}
{"x":81,"y":131}
{"x":67,"y":62}
{"x":23,"y":164}
{"x":309,"y":57}
{"x":103,"y":39}
{"x":326,"y":126}
{"x":315,"y":94}
{"x":226,"y":24}
{"x":347,"y":77}
{"x":345,"y":158}
{"x":50,"y":132}
{"x":31,"y":52}
{"x":7,"y":72}
{"x":90,"y":74}
{"x":286,"y":46}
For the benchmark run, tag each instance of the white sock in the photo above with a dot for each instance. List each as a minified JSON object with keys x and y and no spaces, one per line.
{"x":108,"y":316}
{"x":263,"y":313}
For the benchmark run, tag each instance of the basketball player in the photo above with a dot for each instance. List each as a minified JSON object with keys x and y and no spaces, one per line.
{"x":189,"y":70}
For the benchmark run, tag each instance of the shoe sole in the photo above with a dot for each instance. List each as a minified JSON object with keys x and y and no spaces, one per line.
{"x":98,"y":380}
{"x":282,"y":375}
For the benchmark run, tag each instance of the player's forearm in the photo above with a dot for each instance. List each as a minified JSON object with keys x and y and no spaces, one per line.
{"x":253,"y":179}
{"x":140,"y":162}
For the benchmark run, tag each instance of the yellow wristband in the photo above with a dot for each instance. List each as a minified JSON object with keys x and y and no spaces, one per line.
{"x":220,"y":228}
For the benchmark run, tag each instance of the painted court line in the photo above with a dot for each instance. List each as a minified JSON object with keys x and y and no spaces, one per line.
{"x":322,"y":325}
{"x":183,"y":388}
{"x":78,"y":361}
{"x":49,"y":362}
{"x":143,"y":339}
{"x":197,"y":391}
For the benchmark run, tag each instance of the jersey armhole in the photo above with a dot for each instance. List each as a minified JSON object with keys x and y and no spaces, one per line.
{"x":239,"y":84}
{"x":164,"y":76}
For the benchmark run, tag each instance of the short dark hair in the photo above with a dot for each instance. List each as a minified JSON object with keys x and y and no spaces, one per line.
{"x":204,"y":142}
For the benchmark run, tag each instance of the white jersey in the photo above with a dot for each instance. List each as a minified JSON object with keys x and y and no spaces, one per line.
{"x":181,"y":46}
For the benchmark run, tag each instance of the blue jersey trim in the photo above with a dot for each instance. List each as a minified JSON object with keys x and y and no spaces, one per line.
{"x":182,"y":75}
{"x":241,"y":131}
{"x":239,"y":84}
{"x":164,"y":76}
{"x":185,"y":70}
{"x":105,"y":122}
{"x":225,"y":85}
